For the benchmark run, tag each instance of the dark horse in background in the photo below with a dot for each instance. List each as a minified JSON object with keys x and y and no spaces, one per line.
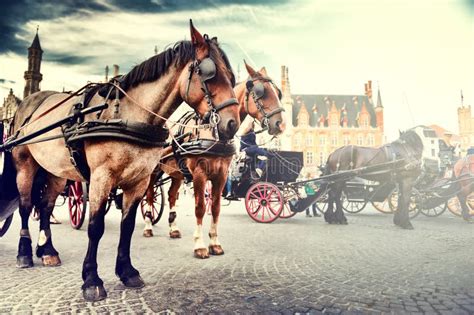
{"x":409,"y":147}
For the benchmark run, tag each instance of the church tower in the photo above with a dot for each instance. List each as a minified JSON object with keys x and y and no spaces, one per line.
{"x":287,"y":102}
{"x":33,"y":76}
{"x":379,"y":112}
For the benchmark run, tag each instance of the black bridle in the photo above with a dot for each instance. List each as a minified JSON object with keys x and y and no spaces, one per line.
{"x":206,"y":70}
{"x":257,"y":90}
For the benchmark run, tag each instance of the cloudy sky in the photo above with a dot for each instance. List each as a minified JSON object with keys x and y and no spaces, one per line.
{"x":420,"y":53}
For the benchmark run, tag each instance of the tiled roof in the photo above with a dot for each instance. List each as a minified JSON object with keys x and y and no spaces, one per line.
{"x":318,"y":105}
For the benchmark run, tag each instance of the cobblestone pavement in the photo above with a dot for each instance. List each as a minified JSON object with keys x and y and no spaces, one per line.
{"x":295,"y":265}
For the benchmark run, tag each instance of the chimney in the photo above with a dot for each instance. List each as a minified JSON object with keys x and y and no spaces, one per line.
{"x":116,"y":70}
{"x":106,"y":73}
{"x":368,"y":89}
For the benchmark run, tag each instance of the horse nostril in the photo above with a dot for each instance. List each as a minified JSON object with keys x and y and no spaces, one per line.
{"x":231,"y":127}
{"x":280,"y":125}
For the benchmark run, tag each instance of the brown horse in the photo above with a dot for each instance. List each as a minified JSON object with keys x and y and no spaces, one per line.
{"x":409,"y":146}
{"x":464,"y":168}
{"x":195,"y":71}
{"x":260,"y":98}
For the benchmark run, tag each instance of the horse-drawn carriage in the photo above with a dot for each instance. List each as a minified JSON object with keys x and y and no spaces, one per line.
{"x":434,"y":191}
{"x":266,"y":195}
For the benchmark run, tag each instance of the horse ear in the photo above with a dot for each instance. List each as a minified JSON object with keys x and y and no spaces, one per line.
{"x":196,"y":37}
{"x":250,"y":70}
{"x":400,"y":132}
{"x":263,"y":71}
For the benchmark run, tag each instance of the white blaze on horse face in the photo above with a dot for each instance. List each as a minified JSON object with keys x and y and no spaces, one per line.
{"x":198,"y":239}
{"x":213,"y":235}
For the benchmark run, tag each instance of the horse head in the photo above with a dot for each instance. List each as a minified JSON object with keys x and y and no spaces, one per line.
{"x":411,"y":139}
{"x":207,"y":85}
{"x":262,"y":100}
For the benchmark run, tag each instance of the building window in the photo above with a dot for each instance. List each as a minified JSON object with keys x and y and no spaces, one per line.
{"x":309,"y":158}
{"x":334,"y":139}
{"x":346,"y":140}
{"x":370,"y":140}
{"x":322,"y":140}
{"x":297,"y":140}
{"x":360,"y":139}
{"x":309,"y":140}
{"x":322,"y":158}
{"x":334,"y":122}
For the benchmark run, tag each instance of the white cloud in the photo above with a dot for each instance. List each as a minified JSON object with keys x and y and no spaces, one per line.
{"x":420,"y":49}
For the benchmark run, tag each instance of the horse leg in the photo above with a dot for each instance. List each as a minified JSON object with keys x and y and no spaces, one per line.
{"x":339,"y":216}
{"x":100,"y":187}
{"x":215,"y":247}
{"x":148,"y":230}
{"x":329,"y":214}
{"x":45,"y":249}
{"x":173,"y":194}
{"x":26,"y":174}
{"x":199,"y":181}
{"x":132,"y":196}
{"x":462,"y":196}
{"x":401,"y":217}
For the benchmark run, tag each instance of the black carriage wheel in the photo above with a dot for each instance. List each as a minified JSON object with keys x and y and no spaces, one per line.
{"x":413,"y":209}
{"x":157,"y":206}
{"x":352,"y":206}
{"x":435,"y":211}
{"x":77,"y":203}
{"x":5,"y":225}
{"x":322,"y":203}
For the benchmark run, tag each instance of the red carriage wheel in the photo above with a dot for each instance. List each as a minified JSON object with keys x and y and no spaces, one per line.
{"x":264,"y":202}
{"x":77,"y":202}
{"x":286,"y":213}
{"x":208,"y":197}
{"x":289,"y":194}
{"x":157,"y":206}
{"x":4,"y":225}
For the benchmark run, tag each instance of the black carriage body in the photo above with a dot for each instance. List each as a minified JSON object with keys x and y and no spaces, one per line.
{"x":283,"y":167}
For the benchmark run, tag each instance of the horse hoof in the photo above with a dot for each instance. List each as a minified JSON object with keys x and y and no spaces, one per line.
{"x":24,"y":261}
{"x":94,"y":293}
{"x":216,"y":250}
{"x":201,"y":253}
{"x":148,"y":233}
{"x":51,"y":261}
{"x":134,"y":282}
{"x":406,"y":226}
{"x":175,"y":234}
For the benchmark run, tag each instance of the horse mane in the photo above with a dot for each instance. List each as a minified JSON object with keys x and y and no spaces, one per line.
{"x":179,"y":55}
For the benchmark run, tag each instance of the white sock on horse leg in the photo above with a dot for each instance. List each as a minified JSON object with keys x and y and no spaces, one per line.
{"x":198,"y":239}
{"x":213,"y":235}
